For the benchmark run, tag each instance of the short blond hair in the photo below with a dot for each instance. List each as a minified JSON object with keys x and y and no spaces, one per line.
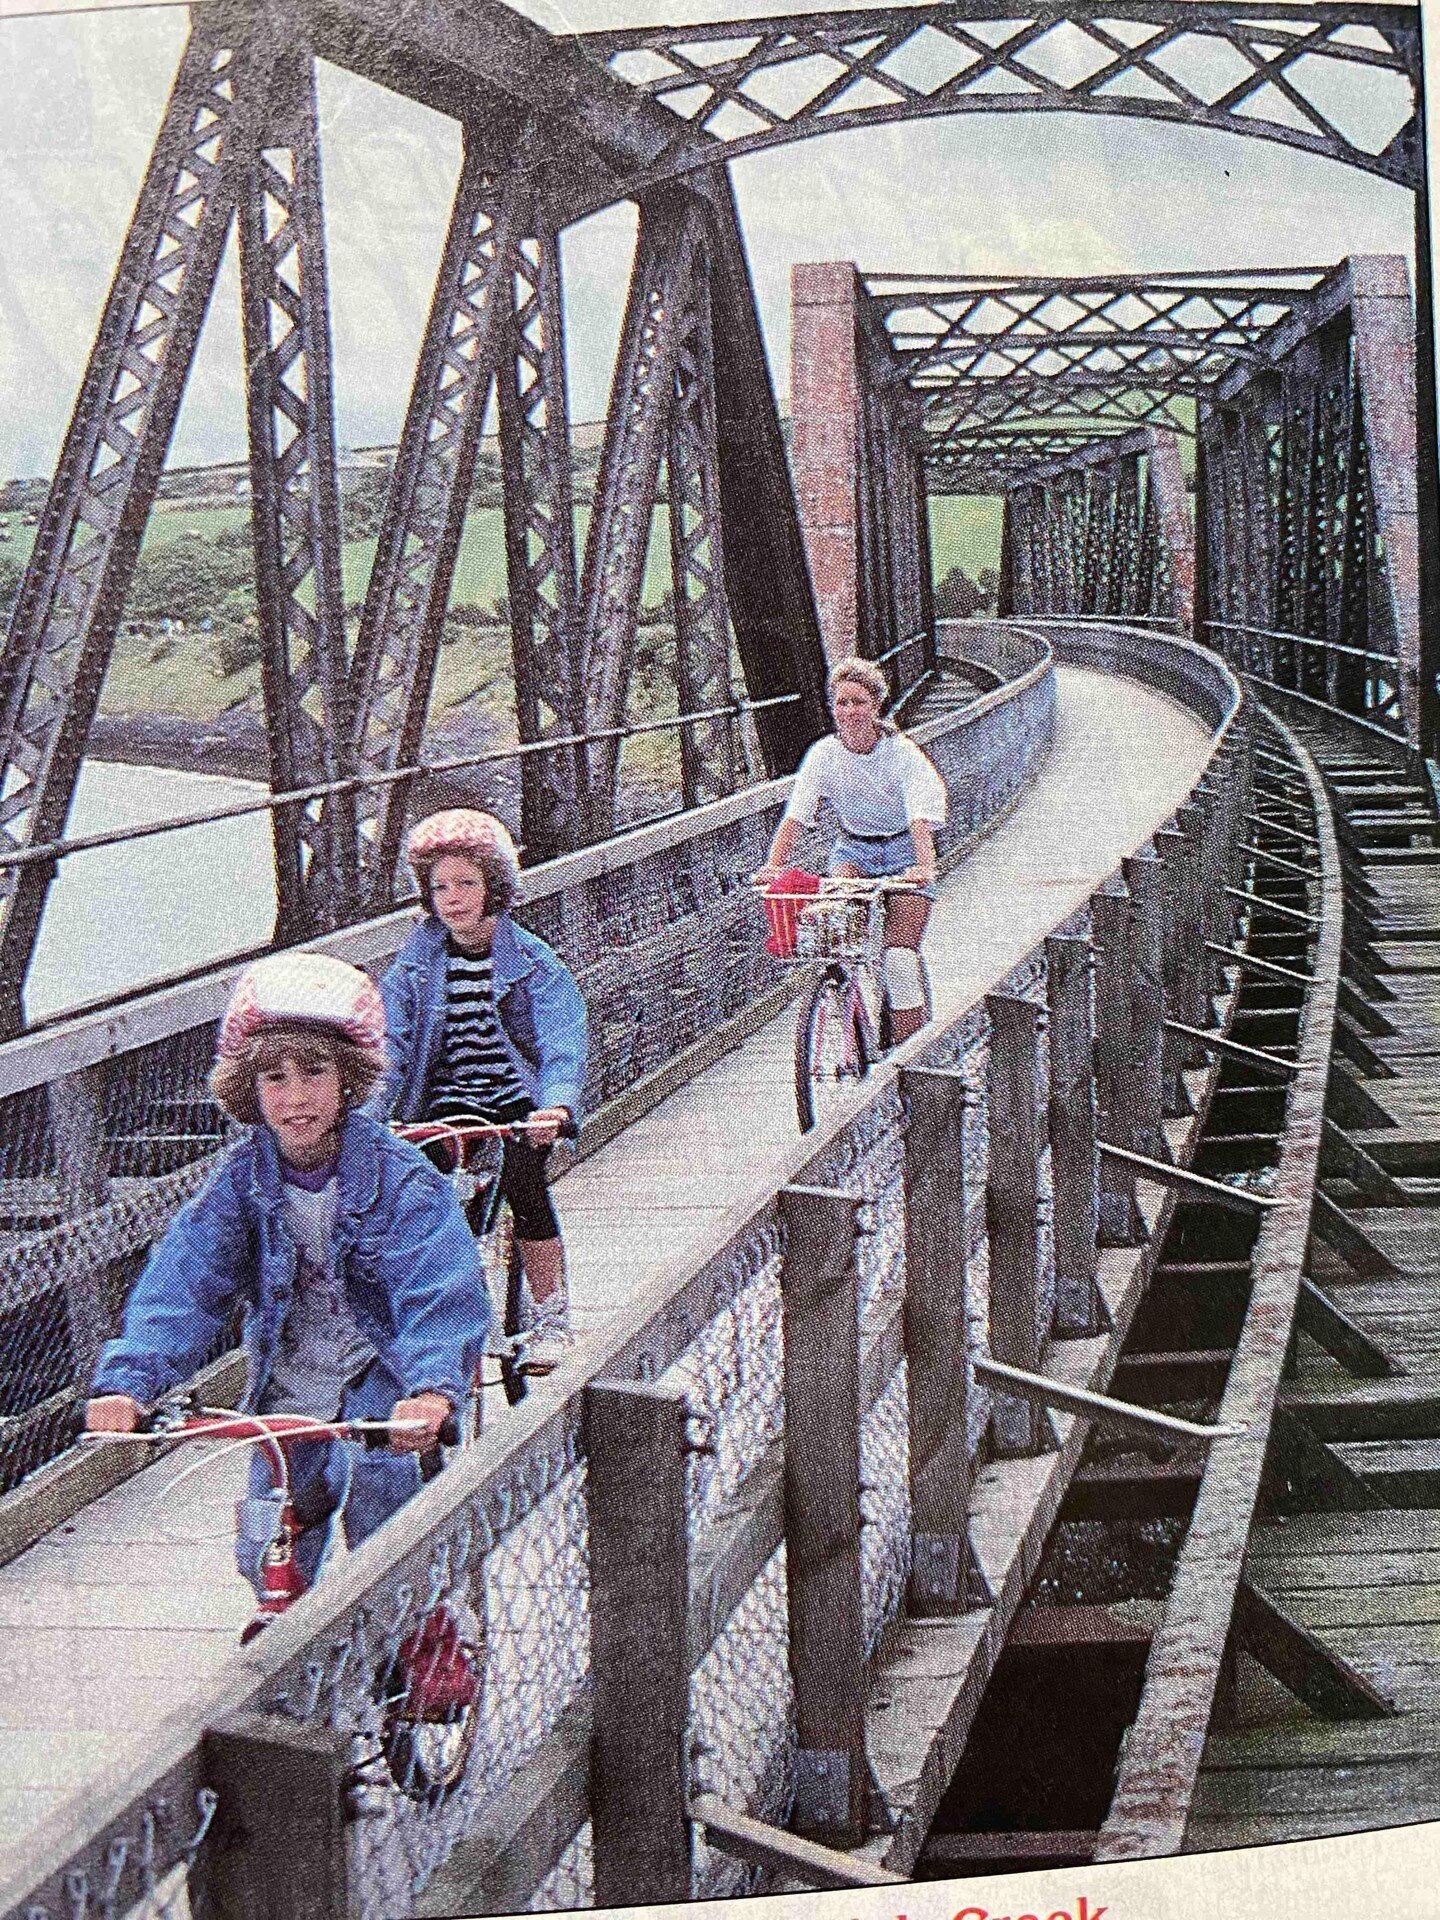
{"x":855,"y":672}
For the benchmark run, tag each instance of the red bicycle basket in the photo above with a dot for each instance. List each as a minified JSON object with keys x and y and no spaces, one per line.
{"x":784,"y":899}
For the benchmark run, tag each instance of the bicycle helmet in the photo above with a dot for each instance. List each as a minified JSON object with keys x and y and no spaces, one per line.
{"x":463,"y":830}
{"x":302,"y":989}
{"x":473,"y":835}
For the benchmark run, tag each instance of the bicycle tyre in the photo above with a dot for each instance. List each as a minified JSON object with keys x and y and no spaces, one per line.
{"x":831,"y":1017}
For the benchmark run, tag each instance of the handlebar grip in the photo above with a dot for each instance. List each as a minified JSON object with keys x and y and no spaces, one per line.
{"x":449,"y":1434}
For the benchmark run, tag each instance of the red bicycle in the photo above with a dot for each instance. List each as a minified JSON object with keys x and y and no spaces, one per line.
{"x":429,"y":1690}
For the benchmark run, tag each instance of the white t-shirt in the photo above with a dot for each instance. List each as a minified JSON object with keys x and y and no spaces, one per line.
{"x":320,"y":1349}
{"x":874,"y":793}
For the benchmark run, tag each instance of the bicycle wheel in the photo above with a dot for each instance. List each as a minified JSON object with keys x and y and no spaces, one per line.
{"x":834,"y":1046}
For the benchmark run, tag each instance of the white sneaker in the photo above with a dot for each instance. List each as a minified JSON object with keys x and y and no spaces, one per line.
{"x":549,"y":1338}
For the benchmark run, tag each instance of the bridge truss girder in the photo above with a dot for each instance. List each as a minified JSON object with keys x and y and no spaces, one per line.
{"x":1104,"y":529}
{"x":63,"y":626}
{"x":1308,"y":505}
{"x":752,"y":84}
{"x":551,"y":143}
{"x":296,"y":504}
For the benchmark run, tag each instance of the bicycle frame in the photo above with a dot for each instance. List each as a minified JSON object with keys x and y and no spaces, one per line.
{"x":429,"y":1690}
{"x":498,"y":1254}
{"x":845,"y":1006}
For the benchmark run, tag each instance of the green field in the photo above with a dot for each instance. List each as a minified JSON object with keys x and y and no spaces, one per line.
{"x":150,"y":673}
{"x":965,"y":533}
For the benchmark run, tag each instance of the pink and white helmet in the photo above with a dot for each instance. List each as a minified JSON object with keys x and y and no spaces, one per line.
{"x":304,"y":989}
{"x":462,"y":830}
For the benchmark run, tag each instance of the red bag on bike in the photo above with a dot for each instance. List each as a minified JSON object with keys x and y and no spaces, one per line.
{"x":784,"y":900}
{"x":441,"y":1675}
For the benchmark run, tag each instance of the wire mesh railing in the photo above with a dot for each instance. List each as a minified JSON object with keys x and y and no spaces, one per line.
{"x":107,"y":1127}
{"x":667,"y":1566}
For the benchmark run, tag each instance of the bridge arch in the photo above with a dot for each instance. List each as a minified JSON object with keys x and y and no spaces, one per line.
{"x":1288,"y":77}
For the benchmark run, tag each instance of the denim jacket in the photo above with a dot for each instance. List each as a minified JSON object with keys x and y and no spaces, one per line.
{"x":541,"y":1016}
{"x":412,"y":1275}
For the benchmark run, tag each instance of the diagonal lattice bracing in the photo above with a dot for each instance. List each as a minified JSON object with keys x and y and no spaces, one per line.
{"x":1306,"y":495}
{"x":708,"y":758}
{"x":1338,"y":81}
{"x":424,"y":517}
{"x":300,"y":601}
{"x":1099,"y":529}
{"x":989,"y":356}
{"x":540,"y":549}
{"x":71,"y":599}
{"x":641,"y":401}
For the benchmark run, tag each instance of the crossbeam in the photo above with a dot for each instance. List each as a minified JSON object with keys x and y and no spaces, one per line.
{"x":1235,"y":1049}
{"x":1043,"y":1391}
{"x":1239,"y":1199}
{"x":761,"y":1845}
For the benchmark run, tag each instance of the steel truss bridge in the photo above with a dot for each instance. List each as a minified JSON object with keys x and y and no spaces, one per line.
{"x":858,"y":1417}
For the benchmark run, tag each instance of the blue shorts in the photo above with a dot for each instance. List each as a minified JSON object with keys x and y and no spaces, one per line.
{"x":876,"y":859}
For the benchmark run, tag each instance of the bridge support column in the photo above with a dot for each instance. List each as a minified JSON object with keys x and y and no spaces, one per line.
{"x":1079,"y":1310}
{"x":944,"y":1574}
{"x":820,"y":1287}
{"x":825,"y":441}
{"x":278,"y":1848}
{"x":1115,"y":1091}
{"x":1019,"y":1113}
{"x":635,"y":1444}
{"x":856,"y":453}
{"x":1145,"y":879}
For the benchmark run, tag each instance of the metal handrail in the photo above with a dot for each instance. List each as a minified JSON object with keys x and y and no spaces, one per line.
{"x":1304,"y":640}
{"x":354,"y":783}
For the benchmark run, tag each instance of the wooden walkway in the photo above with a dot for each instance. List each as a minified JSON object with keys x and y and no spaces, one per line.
{"x":131,"y":1608}
{"x":1355,"y":1557}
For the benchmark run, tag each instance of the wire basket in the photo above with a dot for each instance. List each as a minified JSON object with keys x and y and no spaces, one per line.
{"x":834,"y":930}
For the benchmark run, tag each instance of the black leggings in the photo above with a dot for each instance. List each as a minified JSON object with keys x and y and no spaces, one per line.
{"x":522,"y":1172}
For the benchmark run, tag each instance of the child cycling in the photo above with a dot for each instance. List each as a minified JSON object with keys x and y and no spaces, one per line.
{"x":361,"y":1288}
{"x":889,"y":799}
{"x":484,"y":1019}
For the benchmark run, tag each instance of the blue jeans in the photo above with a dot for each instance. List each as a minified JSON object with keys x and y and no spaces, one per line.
{"x":328,"y":1477}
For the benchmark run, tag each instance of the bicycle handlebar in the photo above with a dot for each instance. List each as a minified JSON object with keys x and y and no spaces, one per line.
{"x":831,"y":884}
{"x":467,"y":1126}
{"x":283,"y":1429}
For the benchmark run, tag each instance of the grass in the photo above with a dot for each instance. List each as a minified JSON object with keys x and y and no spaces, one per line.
{"x":150,"y":674}
{"x":965,"y":533}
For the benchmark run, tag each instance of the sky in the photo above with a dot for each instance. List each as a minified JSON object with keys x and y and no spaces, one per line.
{"x":82,"y":92}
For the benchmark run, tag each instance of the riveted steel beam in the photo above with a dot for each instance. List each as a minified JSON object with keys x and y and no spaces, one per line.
{"x":404,"y":611}
{"x":871,"y":66}
{"x":540,"y":547}
{"x":709,"y":760}
{"x":296,"y":509}
{"x":641,"y":400}
{"x":70,"y":601}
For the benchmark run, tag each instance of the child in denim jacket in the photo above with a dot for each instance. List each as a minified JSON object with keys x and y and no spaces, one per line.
{"x":359,"y":1281}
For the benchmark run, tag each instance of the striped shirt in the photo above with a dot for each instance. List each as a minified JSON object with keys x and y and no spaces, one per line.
{"x":474,"y":1070}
